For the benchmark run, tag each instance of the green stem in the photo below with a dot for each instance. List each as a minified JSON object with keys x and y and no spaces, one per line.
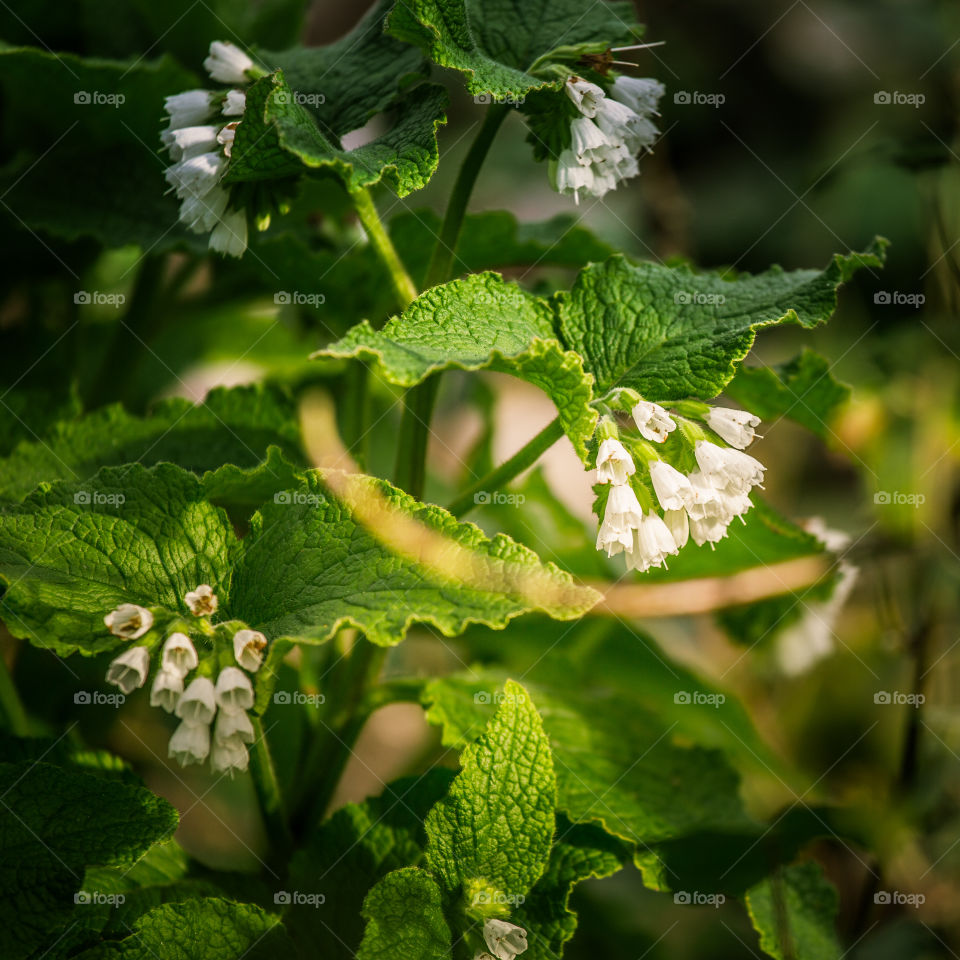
{"x":10,"y":705}
{"x":441,"y":263}
{"x":523,"y":458}
{"x":268,"y":788}
{"x":400,"y":281}
{"x":410,"y":468}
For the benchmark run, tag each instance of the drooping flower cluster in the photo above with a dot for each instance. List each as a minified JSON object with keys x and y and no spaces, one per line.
{"x":607,"y":136}
{"x":203,"y":700}
{"x":199,"y":139}
{"x":504,"y":940}
{"x":699,"y":504}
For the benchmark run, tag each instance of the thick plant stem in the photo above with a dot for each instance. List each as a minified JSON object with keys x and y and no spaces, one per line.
{"x":441,"y":263}
{"x":403,"y":287}
{"x":495,"y":479}
{"x":268,"y":788}
{"x":410,"y":469}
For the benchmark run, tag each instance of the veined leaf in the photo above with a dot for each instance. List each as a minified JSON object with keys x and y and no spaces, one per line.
{"x":671,"y":333}
{"x":490,"y":837}
{"x":346,"y":549}
{"x":494,"y":43}
{"x":479,"y":323}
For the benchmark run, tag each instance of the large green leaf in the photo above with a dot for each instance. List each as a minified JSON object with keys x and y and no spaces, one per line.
{"x":208,"y":929}
{"x":405,"y":919}
{"x":490,"y":837}
{"x":343,"y":84}
{"x":479,"y":323}
{"x":71,"y":552}
{"x":54,"y":822}
{"x":353,"y":850}
{"x":671,"y":333}
{"x":279,"y":138}
{"x":346,"y":549}
{"x":804,"y":390}
{"x":795,"y":912}
{"x":617,"y":765}
{"x":495,"y":42}
{"x":232,"y":426}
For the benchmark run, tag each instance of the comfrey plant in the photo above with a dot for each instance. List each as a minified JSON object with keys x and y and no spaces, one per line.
{"x":246,"y":570}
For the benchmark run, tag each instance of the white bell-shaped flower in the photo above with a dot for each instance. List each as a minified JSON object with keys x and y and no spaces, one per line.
{"x":654,"y":543}
{"x":234,"y":104}
{"x":248,"y":647}
{"x":672,"y":488}
{"x":587,"y":142}
{"x":189,"y":108}
{"x":679,"y":526}
{"x":230,"y":235}
{"x":504,"y":940}
{"x":190,"y":743}
{"x":179,"y":655}
{"x":586,"y":96}
{"x":640,"y":94}
{"x":234,"y":691}
{"x":198,"y":703}
{"x":614,"y":463}
{"x":129,"y":621}
{"x":188,"y":142}
{"x":707,"y":530}
{"x":202,"y":213}
{"x":570,"y":176}
{"x":727,"y":468}
{"x":202,"y":601}
{"x":227,"y":63}
{"x":166,"y":690}
{"x":130,"y":669}
{"x":653,"y":422}
{"x":226,"y":137}
{"x":737,"y":427}
{"x":196,"y":176}
{"x":233,"y":724}
{"x":229,"y":756}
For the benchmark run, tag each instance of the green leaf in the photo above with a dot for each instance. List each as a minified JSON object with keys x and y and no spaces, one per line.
{"x":803,"y":390}
{"x":617,"y":765}
{"x":350,"y":852}
{"x":581,"y":852}
{"x":71,"y":552}
{"x":479,"y":323}
{"x":232,"y":426}
{"x":345,"y":549}
{"x":795,"y":911}
{"x":280,"y":138}
{"x":343,"y":84}
{"x":405,"y":919}
{"x":490,"y":837}
{"x":495,"y":239}
{"x":54,"y":823}
{"x":496,"y":42}
{"x":671,"y":333}
{"x":209,"y":929}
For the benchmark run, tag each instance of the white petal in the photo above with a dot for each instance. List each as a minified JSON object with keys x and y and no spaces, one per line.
{"x":234,"y":104}
{"x":229,"y":756}
{"x":230,"y":235}
{"x":202,"y":601}
{"x":190,"y":743}
{"x":504,"y":940}
{"x":227,"y":63}
{"x":130,"y":669}
{"x":679,"y":526}
{"x":179,"y":655}
{"x":248,"y":647}
{"x":585,"y":95}
{"x":653,"y":422}
{"x":233,"y":725}
{"x":198,"y":703}
{"x":233,"y":690}
{"x":640,"y":94}
{"x":737,"y":427}
{"x":166,"y":690}
{"x":188,"y":142}
{"x":129,"y":621}
{"x":189,"y":108}
{"x":670,"y":485}
{"x":614,"y":463}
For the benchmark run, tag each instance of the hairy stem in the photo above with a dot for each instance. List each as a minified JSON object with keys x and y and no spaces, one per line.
{"x":495,"y":479}
{"x":403,"y":287}
{"x":268,"y":788}
{"x":410,"y":469}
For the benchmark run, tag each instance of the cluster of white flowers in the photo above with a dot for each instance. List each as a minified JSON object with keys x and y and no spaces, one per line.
{"x":606,"y":138}
{"x":700,"y":505}
{"x":198,"y":703}
{"x":200,"y":142}
{"x":504,"y":940}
